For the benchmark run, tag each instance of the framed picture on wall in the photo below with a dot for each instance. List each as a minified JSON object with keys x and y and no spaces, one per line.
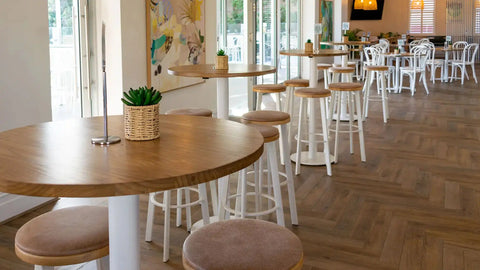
{"x":175,"y":36}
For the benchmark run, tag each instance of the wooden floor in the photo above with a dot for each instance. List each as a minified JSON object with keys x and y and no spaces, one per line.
{"x":415,"y":203}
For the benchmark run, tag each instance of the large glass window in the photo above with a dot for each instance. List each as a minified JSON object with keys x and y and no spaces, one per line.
{"x":422,"y":21}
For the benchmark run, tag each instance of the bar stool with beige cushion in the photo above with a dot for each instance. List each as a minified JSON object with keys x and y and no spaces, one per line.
{"x":165,"y":201}
{"x":274,"y":118}
{"x":347,"y":93}
{"x":326,"y":74}
{"x":371,"y":70}
{"x":261,"y":89}
{"x":346,"y":72}
{"x":322,"y":95}
{"x":290,"y":100}
{"x":270,"y":135}
{"x":191,"y":111}
{"x":243,"y":244}
{"x":63,"y":237}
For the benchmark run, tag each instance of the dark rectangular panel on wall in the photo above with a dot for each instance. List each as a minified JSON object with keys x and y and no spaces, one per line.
{"x":360,"y":14}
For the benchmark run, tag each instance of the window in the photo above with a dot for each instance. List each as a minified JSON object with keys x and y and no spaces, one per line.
{"x":477,"y":20}
{"x":422,"y":21}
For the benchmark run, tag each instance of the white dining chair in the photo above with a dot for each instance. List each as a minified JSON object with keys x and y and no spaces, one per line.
{"x":418,"y":64}
{"x":433,"y":63}
{"x":468,"y":58}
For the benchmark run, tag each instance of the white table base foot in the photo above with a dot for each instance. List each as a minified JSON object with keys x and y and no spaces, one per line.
{"x":317,"y":160}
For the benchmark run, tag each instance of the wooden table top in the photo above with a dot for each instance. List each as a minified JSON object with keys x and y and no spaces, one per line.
{"x":405,"y":54}
{"x":209,"y":71}
{"x":315,"y":53}
{"x":449,"y":49}
{"x":57,"y":159}
{"x":346,"y":43}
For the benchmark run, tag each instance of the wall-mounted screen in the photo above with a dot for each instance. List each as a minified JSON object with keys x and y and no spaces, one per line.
{"x":360,"y":14}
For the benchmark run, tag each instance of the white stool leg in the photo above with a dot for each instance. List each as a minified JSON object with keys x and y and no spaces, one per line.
{"x":279,"y":104}
{"x":222,"y":196}
{"x":238,"y":199}
{"x":290,"y":184}
{"x":299,"y":137}
{"x":202,"y":193}
{"x":325,"y":78}
{"x":384,"y":97}
{"x":103,"y":263}
{"x":43,"y":267}
{"x":166,"y":226}
{"x":213,"y":194}
{"x":179,"y":209}
{"x":337,"y":125}
{"x":150,"y":218}
{"x":272,"y":161}
{"x":243,"y":190}
{"x":351,"y":112}
{"x":189,"y":209}
{"x":360,"y":130}
{"x":326,"y":147}
{"x":257,"y":187}
{"x":259,"y":101}
{"x":366,"y":95}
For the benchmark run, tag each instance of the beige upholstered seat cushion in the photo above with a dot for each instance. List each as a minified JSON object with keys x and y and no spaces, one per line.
{"x":242,"y":244}
{"x":297,"y":83}
{"x":269,"y":133}
{"x":376,"y":68}
{"x":342,"y":69}
{"x":346,"y":86}
{"x":191,"y":111}
{"x":65,"y":232}
{"x":269,"y":88}
{"x":323,"y":66}
{"x":349,"y":64}
{"x":266,"y":118}
{"x":312,"y":92}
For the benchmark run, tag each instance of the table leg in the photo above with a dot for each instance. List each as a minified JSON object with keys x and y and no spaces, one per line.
{"x":445,"y":68}
{"x":397,"y":75}
{"x":123,"y":228}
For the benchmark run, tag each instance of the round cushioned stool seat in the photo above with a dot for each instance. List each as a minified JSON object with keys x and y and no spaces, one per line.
{"x":269,"y":133}
{"x":376,"y":68}
{"x":297,"y":83}
{"x":342,"y":69}
{"x":242,"y":244}
{"x":269,"y":88}
{"x":346,"y":86}
{"x":323,"y":66}
{"x":312,"y":92}
{"x":66,"y":232}
{"x":266,"y":118}
{"x":349,"y":64}
{"x":191,"y":111}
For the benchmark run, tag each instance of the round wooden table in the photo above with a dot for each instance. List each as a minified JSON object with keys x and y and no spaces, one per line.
{"x":357,"y":43}
{"x":57,"y":159}
{"x":207,"y":71}
{"x":313,"y":157}
{"x":445,"y":67}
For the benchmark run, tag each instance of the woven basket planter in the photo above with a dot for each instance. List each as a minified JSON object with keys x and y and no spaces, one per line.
{"x":141,"y":123}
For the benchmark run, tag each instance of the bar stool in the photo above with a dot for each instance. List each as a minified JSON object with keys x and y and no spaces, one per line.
{"x":270,"y":135}
{"x":166,"y":204}
{"x":352,"y":92}
{"x":346,"y":72}
{"x":261,"y":89}
{"x":243,"y":244}
{"x":380,"y":70}
{"x":274,"y":118}
{"x":64,"y":237}
{"x":291,"y":84}
{"x":326,"y":74}
{"x":322,"y":95}
{"x":191,"y":111}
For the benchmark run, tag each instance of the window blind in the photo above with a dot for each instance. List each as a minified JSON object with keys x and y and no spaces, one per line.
{"x":477,"y":20}
{"x":423,"y":21}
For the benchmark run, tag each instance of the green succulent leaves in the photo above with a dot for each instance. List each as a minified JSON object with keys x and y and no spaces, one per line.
{"x":221,"y":53}
{"x":142,"y":96}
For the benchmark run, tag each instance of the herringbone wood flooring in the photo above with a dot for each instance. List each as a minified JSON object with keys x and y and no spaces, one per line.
{"x":413,"y":205}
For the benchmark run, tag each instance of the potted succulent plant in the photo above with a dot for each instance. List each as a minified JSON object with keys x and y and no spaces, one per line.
{"x":309,"y":46}
{"x":221,"y":60}
{"x":141,"y":113}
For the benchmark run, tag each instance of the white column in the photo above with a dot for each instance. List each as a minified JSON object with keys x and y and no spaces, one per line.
{"x":222,"y":98}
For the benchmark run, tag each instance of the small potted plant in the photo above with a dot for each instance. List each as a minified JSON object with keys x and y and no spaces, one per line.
{"x":345,"y":37}
{"x":221,"y":60}
{"x":141,"y":114}
{"x":449,"y":45}
{"x":309,"y":46}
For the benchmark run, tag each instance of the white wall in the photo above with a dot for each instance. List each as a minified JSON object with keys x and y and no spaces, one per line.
{"x":126,"y":56}
{"x":24,"y":63}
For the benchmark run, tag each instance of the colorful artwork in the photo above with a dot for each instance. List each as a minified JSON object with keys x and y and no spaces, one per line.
{"x":175,"y":36}
{"x":327,"y":22}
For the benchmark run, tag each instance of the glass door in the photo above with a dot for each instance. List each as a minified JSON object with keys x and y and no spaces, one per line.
{"x":68,"y":54}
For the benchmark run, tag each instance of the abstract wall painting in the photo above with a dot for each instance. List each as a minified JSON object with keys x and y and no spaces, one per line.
{"x":175,"y":36}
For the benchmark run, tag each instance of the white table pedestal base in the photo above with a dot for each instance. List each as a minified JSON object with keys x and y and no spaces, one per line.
{"x":318,"y":158}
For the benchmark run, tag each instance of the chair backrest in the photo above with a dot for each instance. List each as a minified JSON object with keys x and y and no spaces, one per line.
{"x":431,"y":50}
{"x":420,"y":57}
{"x":414,"y":43}
{"x":424,"y":40}
{"x":469,"y":53}
{"x":385,"y":44}
{"x":457,"y":55}
{"x":372,"y":55}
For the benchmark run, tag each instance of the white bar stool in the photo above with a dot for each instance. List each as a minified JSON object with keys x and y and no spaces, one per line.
{"x":261,"y":89}
{"x":274,"y":118}
{"x":347,"y":92}
{"x":322,"y":95}
{"x":290,"y":98}
{"x":326,"y":74}
{"x":380,"y":70}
